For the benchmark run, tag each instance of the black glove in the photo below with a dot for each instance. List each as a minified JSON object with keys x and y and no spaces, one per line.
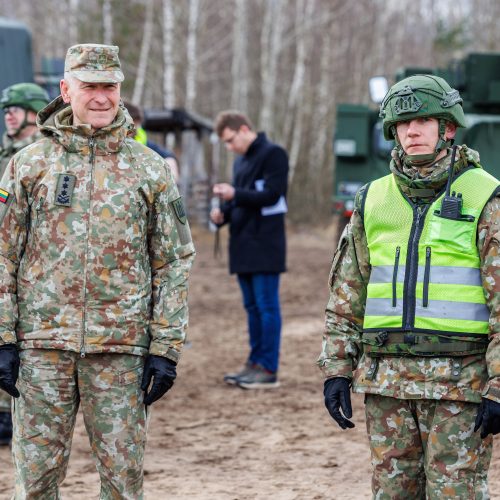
{"x":163,"y":373}
{"x":489,"y":416}
{"x":338,"y":397}
{"x":9,"y":369}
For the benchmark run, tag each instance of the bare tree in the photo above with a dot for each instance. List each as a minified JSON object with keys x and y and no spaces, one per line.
{"x":194,"y":6}
{"x":74,"y":7}
{"x":168,"y":62}
{"x":239,"y":68}
{"x":295,"y":112}
{"x":107,"y":22}
{"x":144,"y":54}
{"x":270,"y":45}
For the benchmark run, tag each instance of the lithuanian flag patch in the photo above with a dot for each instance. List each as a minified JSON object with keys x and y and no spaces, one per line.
{"x":4,"y":196}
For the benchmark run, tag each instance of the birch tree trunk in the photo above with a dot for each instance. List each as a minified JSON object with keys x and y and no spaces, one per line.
{"x":107,"y":22}
{"x":194,"y":7}
{"x":168,"y":61}
{"x":143,"y":57}
{"x":325,"y":109}
{"x":297,"y":100}
{"x":272,"y":32}
{"x":239,"y":67}
{"x":73,"y":21}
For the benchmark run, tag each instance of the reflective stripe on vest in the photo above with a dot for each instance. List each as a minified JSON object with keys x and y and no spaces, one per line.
{"x":425,"y":269}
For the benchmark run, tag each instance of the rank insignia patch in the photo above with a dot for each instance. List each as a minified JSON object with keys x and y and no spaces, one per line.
{"x":64,"y":191}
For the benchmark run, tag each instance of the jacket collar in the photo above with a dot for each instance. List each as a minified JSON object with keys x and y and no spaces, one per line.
{"x":56,"y":121}
{"x":425,"y":183}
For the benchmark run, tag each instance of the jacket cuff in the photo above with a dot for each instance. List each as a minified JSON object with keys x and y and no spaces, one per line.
{"x":337,"y":368}
{"x":492,"y":390}
{"x":166,"y":351}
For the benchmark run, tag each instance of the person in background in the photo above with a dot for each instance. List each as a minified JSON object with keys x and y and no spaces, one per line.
{"x":254,"y":206}
{"x":20,"y":104}
{"x":413,"y":316}
{"x":141,"y":136}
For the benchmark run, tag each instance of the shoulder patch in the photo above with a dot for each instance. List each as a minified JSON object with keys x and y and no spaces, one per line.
{"x":178,"y":208}
{"x":4,"y":196}
{"x":181,"y":221}
{"x":6,"y":200}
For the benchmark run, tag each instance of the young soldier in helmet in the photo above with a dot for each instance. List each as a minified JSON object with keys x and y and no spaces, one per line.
{"x":412,"y":319}
{"x":20,"y":103}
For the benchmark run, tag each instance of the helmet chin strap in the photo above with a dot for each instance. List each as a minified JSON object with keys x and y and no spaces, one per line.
{"x":424,"y":160}
{"x":25,"y":123}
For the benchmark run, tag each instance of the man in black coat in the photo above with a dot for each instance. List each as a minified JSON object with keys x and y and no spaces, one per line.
{"x":255,"y":206}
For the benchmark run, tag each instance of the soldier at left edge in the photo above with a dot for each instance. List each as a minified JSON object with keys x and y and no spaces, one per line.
{"x":20,"y":104}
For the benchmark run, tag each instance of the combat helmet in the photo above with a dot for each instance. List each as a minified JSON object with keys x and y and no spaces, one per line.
{"x":421,"y":96}
{"x":29,"y":96}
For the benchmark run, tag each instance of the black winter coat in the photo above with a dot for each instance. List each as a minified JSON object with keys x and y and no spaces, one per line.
{"x":257,"y":242}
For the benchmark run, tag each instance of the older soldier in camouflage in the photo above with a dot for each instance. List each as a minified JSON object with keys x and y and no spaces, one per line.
{"x":95,"y":252}
{"x":20,"y":103}
{"x":412,"y":319}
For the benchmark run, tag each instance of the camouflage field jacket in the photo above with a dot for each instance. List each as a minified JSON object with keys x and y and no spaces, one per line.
{"x":411,"y":377}
{"x":11,"y":147}
{"x":95,"y":248}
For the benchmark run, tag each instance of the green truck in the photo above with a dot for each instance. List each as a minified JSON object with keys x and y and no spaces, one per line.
{"x":362,"y":154}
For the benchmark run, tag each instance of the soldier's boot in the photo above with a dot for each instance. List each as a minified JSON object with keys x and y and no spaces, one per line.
{"x":5,"y":428}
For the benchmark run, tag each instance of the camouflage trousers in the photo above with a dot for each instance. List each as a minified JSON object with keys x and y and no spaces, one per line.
{"x":426,"y":449}
{"x":53,"y":384}
{"x":4,"y":401}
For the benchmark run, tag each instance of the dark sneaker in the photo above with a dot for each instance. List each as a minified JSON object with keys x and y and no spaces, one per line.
{"x":5,"y":428}
{"x":231,"y":378}
{"x":258,"y":378}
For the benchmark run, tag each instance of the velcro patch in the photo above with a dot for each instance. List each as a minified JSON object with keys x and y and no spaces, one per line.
{"x":181,"y":221}
{"x":6,"y":200}
{"x":4,"y":196}
{"x":179,"y":211}
{"x":64,"y":190}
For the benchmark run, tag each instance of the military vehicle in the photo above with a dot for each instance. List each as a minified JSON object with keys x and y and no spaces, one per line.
{"x":362,"y":154}
{"x":17,"y":61}
{"x":15,"y":54}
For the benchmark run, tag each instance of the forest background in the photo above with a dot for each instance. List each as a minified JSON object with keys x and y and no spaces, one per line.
{"x":286,"y":63}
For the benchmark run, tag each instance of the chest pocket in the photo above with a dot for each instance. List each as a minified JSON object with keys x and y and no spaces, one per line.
{"x":457,"y":235}
{"x":124,"y":215}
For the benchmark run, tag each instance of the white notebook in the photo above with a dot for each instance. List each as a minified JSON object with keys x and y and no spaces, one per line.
{"x":280,"y":207}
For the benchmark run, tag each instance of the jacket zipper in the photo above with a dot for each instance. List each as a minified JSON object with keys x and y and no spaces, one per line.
{"x":395,"y":276}
{"x":87,"y":246}
{"x":411,"y":280}
{"x":425,"y":295}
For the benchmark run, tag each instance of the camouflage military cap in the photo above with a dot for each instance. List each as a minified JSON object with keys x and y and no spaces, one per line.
{"x":91,"y":62}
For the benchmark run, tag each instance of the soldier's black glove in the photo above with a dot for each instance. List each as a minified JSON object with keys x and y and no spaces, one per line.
{"x":9,"y":369}
{"x":338,"y":397}
{"x":163,"y":373}
{"x":489,"y":417}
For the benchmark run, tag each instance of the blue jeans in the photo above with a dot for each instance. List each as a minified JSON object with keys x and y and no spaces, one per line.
{"x":262,"y":304}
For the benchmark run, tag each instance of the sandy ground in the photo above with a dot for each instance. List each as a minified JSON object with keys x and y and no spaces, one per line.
{"x":211,"y":441}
